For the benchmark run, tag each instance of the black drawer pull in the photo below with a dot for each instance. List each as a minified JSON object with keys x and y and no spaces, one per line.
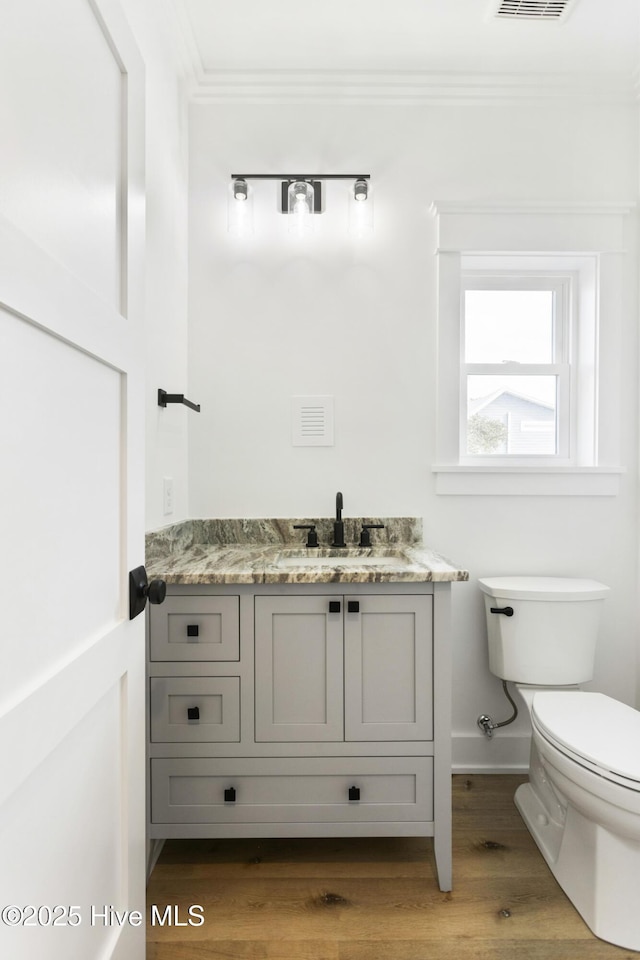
{"x":193,"y":713}
{"x":193,"y":630}
{"x":508,"y":611}
{"x":353,"y":606}
{"x":334,"y":606}
{"x":230,"y":795}
{"x":354,"y":793}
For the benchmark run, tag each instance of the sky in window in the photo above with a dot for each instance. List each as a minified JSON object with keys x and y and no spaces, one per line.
{"x":510,"y":325}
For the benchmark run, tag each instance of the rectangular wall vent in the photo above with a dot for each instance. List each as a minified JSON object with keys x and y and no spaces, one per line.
{"x":312,"y":421}
{"x":532,"y":9}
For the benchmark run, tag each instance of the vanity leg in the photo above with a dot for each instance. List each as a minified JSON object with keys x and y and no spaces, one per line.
{"x":442,"y":734}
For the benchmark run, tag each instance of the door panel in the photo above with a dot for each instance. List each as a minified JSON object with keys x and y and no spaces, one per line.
{"x":299,"y":666}
{"x":70,"y":845}
{"x":388,"y":652}
{"x":71,"y":391}
{"x":62,"y":147}
{"x":62,"y":464}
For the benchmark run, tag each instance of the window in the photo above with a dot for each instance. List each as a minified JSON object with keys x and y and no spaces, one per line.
{"x":517,"y":368}
{"x":531,"y":300}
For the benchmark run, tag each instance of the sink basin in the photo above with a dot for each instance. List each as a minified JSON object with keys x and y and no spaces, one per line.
{"x":339,"y":561}
{"x":340,"y":558}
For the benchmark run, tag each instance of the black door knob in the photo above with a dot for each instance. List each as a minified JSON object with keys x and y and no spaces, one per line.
{"x":156,"y":591}
{"x":140,"y":589}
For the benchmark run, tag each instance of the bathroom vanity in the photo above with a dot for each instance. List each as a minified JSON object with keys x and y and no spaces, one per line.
{"x":297,"y":692}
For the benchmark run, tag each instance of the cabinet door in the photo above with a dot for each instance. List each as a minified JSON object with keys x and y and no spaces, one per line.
{"x":299,"y":668}
{"x":388,"y":668}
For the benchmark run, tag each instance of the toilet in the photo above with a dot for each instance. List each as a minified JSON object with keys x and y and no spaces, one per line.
{"x":582,"y":801}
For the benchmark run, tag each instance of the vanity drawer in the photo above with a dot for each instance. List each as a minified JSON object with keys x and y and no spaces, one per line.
{"x":195,"y":628}
{"x":195,"y":709}
{"x":292,"y":790}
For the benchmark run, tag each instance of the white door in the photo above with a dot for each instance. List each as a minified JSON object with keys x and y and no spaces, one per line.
{"x":71,"y":449}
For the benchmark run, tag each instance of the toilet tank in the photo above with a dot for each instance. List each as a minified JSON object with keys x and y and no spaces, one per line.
{"x":550,"y":638}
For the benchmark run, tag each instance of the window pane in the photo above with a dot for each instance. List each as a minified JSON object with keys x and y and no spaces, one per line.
{"x":511,"y":415}
{"x":502,"y":325}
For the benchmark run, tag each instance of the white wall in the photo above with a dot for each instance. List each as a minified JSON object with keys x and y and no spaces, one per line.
{"x":153,"y":23}
{"x":271,"y":318}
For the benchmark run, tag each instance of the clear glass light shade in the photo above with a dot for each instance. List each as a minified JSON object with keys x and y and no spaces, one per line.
{"x":360,"y":208}
{"x":301,"y":201}
{"x":240,"y":208}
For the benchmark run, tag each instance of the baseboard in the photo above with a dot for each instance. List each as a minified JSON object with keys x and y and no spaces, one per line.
{"x":503,"y":753}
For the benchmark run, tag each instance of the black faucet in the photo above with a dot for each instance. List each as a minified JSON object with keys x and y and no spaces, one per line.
{"x":338,"y":526}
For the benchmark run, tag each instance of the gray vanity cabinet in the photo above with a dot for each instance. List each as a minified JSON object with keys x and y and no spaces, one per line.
{"x":292,"y":710}
{"x":354,"y":668}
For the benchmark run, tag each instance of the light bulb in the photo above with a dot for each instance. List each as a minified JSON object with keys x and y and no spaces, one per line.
{"x":361,"y":209}
{"x":301,"y":207}
{"x":240,"y":189}
{"x":240,"y":208}
{"x":360,"y":190}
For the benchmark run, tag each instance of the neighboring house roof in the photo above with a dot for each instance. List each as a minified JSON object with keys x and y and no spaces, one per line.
{"x":479,"y":403}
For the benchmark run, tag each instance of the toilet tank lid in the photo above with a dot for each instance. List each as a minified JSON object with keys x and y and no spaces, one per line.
{"x":593,"y":726}
{"x":543,"y":588}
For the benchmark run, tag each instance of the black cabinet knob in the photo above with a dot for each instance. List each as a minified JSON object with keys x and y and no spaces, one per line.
{"x":230,"y":795}
{"x":193,"y":713}
{"x":193,"y":630}
{"x":354,"y":793}
{"x":334,"y":606}
{"x":353,"y":606}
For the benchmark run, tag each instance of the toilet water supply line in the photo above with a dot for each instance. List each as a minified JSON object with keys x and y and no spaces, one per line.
{"x":487,"y":725}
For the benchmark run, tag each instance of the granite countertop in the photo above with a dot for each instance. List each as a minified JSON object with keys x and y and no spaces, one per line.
{"x":267,"y":551}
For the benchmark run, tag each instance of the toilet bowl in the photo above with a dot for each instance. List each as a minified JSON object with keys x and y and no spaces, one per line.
{"x":582,"y":801}
{"x":582,"y":805}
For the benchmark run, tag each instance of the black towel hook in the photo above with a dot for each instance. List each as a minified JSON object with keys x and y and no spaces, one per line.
{"x":164,"y":398}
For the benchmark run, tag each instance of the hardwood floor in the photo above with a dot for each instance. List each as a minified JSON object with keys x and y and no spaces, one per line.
{"x":374,"y":899}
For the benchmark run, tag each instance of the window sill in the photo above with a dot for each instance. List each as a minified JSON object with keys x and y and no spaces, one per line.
{"x":542,"y":481}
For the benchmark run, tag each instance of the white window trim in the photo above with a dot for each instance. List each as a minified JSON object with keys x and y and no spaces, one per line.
{"x":598,"y":234}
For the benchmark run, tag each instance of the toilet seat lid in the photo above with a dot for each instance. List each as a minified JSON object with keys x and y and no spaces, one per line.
{"x":543,"y":588}
{"x":594,"y":728}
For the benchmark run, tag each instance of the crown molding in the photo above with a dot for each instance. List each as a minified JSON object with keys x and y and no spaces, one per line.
{"x":186,"y":46}
{"x":404,"y":88}
{"x":603,"y":208}
{"x":391,"y":88}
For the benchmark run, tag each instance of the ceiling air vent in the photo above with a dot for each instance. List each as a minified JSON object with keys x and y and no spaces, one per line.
{"x":533,"y":9}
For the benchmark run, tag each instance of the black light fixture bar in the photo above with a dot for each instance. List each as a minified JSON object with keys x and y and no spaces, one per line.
{"x":300,"y":176}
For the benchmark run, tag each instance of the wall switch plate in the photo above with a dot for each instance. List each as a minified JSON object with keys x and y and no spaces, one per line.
{"x":167,"y":495}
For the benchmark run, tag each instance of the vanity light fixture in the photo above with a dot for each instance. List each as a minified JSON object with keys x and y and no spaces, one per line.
{"x":240,"y":208}
{"x":361,"y":209}
{"x":301,"y":197}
